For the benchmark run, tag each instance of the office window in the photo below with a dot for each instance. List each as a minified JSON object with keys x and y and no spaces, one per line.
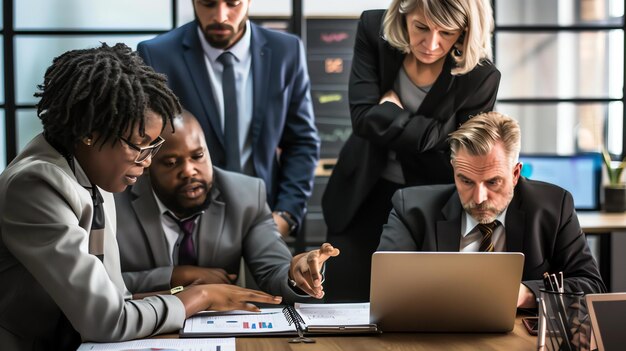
{"x":28,"y":126}
{"x":558,"y":12}
{"x":3,"y":159}
{"x":565,"y":128}
{"x":1,"y":71}
{"x":35,"y":53}
{"x":562,"y":65}
{"x":93,"y":14}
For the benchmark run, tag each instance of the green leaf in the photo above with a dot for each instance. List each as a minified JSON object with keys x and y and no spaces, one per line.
{"x":614,"y":173}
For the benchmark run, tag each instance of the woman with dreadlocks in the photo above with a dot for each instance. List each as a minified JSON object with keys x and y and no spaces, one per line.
{"x":102,"y":112}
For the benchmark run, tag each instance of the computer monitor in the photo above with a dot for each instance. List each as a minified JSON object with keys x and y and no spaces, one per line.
{"x":579,"y":174}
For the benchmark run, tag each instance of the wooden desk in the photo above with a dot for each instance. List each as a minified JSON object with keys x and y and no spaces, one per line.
{"x":602,"y":222}
{"x":518,"y":339}
{"x":610,"y":251}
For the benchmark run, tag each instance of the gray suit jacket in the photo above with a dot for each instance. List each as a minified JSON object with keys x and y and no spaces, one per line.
{"x":540,"y":222}
{"x":46,"y":271}
{"x":238,"y":223}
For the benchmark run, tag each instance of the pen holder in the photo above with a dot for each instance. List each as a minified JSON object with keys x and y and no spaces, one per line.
{"x":563,"y":322}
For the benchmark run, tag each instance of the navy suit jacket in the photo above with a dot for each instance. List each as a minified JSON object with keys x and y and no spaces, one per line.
{"x":540,"y":222}
{"x":285,"y":144}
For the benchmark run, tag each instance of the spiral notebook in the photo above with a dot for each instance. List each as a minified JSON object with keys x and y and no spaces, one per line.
{"x":351,"y":318}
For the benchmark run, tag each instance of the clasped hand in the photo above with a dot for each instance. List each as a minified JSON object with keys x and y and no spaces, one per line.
{"x":305,"y":269}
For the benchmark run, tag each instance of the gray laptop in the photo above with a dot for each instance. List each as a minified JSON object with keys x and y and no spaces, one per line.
{"x":608,"y":312}
{"x":445,"y":291}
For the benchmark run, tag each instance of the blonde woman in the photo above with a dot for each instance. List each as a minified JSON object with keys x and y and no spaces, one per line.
{"x":420,"y":69}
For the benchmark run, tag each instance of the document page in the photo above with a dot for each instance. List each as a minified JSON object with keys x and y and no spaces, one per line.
{"x":269,"y":320}
{"x":335,"y":314}
{"x":224,"y":344}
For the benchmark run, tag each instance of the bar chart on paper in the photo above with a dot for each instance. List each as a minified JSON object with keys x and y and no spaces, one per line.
{"x":269,"y":321}
{"x":213,"y":344}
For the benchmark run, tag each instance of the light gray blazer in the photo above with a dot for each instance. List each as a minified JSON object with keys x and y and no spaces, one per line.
{"x":238,"y":223}
{"x":45,"y":267}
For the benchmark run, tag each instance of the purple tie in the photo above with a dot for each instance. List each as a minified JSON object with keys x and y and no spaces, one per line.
{"x":186,"y":251}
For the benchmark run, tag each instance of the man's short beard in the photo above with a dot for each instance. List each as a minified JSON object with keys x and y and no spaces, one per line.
{"x":185,"y":212}
{"x":483,"y":206}
{"x":226,"y":42}
{"x":171,"y":201}
{"x":469,"y":206}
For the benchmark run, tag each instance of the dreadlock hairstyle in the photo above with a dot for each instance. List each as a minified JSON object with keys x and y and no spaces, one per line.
{"x":106,"y":90}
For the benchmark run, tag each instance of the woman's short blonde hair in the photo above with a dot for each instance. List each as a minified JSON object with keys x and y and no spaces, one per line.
{"x":473,"y":17}
{"x":482,"y":132}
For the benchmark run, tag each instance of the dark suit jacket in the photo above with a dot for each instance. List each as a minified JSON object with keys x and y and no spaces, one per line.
{"x":419,"y":139}
{"x":540,"y":222}
{"x":238,"y":223}
{"x":282,"y":108}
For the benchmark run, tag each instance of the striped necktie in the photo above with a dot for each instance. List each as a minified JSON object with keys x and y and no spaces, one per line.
{"x":486,"y":245}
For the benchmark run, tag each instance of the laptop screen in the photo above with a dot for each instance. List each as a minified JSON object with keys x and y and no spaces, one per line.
{"x":579,"y":174}
{"x":607,"y":313}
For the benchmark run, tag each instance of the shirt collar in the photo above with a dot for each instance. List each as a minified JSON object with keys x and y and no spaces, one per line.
{"x":239,"y":50}
{"x":471,"y":223}
{"x":81,"y":176}
{"x":163,"y":209}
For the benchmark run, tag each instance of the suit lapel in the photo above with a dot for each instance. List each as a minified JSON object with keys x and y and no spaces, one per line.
{"x":145,"y":208}
{"x":194,"y":58}
{"x":261,"y":58}
{"x":449,"y":229}
{"x":211,"y":228}
{"x":515,"y":219}
{"x":391,"y":59}
{"x":438,"y":95}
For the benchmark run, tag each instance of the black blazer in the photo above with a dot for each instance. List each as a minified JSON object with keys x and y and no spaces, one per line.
{"x":419,"y":139}
{"x":540,"y":222}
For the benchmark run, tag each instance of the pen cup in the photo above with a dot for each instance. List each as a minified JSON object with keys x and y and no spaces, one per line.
{"x":563,"y":322}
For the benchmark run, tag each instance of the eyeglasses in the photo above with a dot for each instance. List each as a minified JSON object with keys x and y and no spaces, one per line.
{"x":145,"y":152}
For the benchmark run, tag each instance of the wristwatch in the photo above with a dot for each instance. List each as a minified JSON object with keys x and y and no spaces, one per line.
{"x":290,"y":221}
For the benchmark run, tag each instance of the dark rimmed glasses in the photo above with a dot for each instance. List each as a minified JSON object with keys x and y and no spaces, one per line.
{"x":145,"y":152}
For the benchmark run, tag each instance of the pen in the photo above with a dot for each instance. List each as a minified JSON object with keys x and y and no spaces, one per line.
{"x":556,"y":283}
{"x":547,"y":282}
{"x":542,"y":330}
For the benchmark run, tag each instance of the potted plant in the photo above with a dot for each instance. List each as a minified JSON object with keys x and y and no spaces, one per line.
{"x":615,"y":191}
